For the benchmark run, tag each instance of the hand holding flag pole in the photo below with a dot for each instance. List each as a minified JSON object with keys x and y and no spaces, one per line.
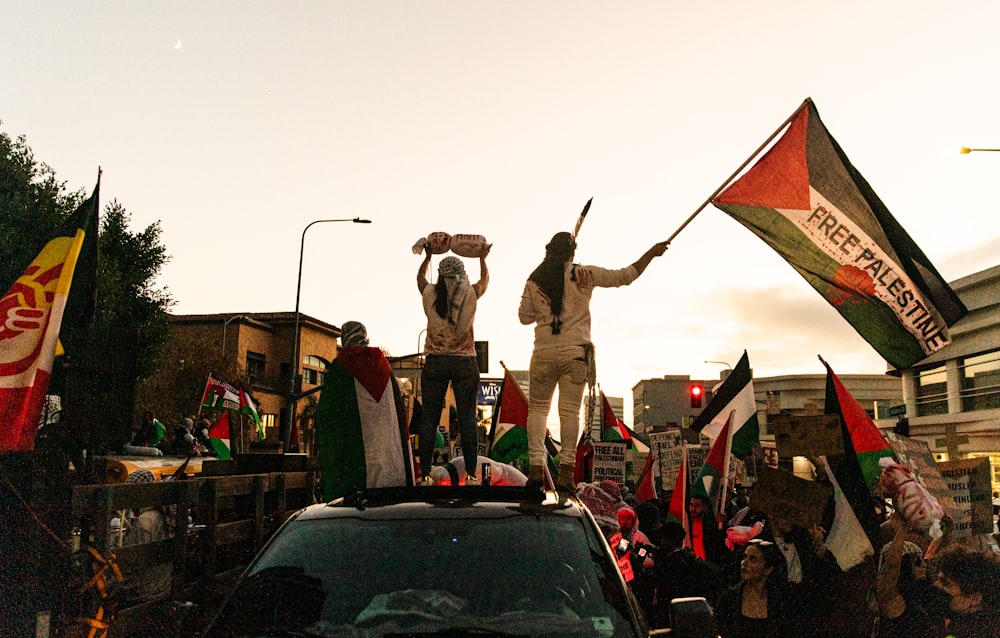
{"x":739,"y":170}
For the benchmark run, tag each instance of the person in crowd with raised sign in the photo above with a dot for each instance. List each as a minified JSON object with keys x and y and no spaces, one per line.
{"x":450,"y":349}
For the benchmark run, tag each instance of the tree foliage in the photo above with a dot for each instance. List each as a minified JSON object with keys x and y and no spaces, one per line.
{"x":126,"y":340}
{"x":176,"y":390}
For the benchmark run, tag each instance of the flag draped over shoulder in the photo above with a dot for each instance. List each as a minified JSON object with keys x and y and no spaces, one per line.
{"x":708,"y":483}
{"x":509,"y":432}
{"x":735,"y":397}
{"x":31,"y":314}
{"x":806,"y":200}
{"x":361,"y":430}
{"x":219,"y":436}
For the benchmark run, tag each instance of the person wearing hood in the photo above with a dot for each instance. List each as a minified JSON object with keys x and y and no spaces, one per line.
{"x":361,"y":432}
{"x":556,"y":299}
{"x":450,"y":355}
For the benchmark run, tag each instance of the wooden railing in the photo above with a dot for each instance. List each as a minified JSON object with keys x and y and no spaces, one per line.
{"x":231,"y":519}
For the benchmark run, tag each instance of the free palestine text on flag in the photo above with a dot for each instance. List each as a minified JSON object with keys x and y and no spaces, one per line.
{"x":808,"y":202}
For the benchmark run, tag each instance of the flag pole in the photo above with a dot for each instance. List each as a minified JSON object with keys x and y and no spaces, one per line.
{"x":496,"y":412}
{"x":724,"y":488}
{"x":739,"y":170}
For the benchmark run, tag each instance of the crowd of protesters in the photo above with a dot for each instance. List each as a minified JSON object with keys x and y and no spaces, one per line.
{"x":784,"y":581}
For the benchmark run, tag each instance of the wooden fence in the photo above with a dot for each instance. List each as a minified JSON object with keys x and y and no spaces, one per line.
{"x":231,"y":517}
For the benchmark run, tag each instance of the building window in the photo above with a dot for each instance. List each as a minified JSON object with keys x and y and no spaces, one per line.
{"x":932,"y":392}
{"x":255,"y":367}
{"x":981,"y":382}
{"x":314,"y":370}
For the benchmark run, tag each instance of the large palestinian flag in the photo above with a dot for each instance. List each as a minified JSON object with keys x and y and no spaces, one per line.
{"x":808,"y":202}
{"x":361,"y":428}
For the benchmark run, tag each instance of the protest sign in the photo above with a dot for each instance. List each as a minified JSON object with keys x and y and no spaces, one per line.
{"x":696,"y":458}
{"x":781,"y":494}
{"x":969,"y":483}
{"x":811,"y":436}
{"x":609,"y":461}
{"x":916,"y":455}
{"x":668,"y":449}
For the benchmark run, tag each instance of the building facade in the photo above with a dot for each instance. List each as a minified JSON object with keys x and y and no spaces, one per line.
{"x":260,"y":345}
{"x":952,"y":398}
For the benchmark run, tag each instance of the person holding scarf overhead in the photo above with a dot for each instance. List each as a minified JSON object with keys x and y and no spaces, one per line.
{"x":556,"y":299}
{"x":450,"y":355}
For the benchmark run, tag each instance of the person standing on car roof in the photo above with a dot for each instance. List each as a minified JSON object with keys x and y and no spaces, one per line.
{"x":556,"y":299}
{"x":450,"y":349}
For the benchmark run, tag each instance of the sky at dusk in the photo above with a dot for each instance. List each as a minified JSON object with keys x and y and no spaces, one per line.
{"x":236,"y":124}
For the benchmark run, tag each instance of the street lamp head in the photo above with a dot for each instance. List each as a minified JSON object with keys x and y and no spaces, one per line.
{"x":965,"y":150}
{"x":358,"y":220}
{"x":721,"y":363}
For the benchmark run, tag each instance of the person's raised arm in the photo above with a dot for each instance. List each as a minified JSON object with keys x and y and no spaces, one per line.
{"x":656,"y":250}
{"x":891,"y":603}
{"x":484,"y":272}
{"x":422,"y":270}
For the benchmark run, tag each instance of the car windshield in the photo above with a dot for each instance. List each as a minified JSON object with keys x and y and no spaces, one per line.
{"x":521,"y":575}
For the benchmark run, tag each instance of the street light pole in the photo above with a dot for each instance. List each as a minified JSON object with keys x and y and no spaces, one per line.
{"x":292,"y":398}
{"x":225,"y":325}
{"x":966,"y":150}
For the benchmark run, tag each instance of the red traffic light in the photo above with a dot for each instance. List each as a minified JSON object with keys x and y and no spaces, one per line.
{"x":696,"y":392}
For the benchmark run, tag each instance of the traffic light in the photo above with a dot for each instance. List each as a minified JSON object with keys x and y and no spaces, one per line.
{"x":696,"y":392}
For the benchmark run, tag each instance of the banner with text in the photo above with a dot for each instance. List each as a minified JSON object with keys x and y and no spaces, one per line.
{"x":609,"y":461}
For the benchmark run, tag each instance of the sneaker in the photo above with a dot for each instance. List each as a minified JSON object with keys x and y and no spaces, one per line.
{"x":427,"y":480}
{"x":472,"y":480}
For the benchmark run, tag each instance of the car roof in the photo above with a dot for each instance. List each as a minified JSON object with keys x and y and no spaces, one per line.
{"x":444,"y":502}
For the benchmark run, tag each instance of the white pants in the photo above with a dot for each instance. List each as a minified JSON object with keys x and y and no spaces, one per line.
{"x":565,"y":367}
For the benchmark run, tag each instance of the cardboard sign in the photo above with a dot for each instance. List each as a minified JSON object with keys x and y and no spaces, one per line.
{"x":667,"y":448}
{"x":696,"y":458}
{"x":916,"y":455}
{"x":819,"y":435}
{"x":609,"y":461}
{"x":781,"y":494}
{"x":969,"y":482}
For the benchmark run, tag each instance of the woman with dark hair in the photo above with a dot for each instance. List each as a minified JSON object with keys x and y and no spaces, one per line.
{"x":755,"y":607}
{"x":556,"y":299}
{"x":450,"y":349}
{"x":971,"y":581}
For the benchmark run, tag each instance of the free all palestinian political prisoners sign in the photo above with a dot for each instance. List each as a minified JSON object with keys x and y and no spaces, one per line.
{"x":609,"y":461}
